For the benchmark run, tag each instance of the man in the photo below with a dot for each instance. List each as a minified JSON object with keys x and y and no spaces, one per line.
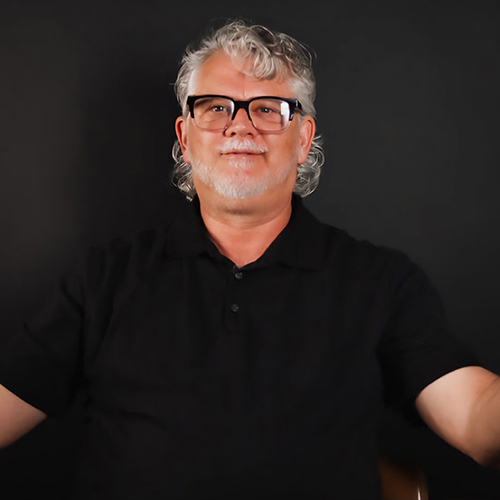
{"x":245,"y":351}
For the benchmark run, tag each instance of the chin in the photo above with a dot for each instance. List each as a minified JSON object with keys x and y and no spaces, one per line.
{"x":237,"y":191}
{"x":242,"y":162}
{"x":239,"y":184}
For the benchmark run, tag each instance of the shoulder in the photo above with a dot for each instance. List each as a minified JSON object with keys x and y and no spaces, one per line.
{"x":363,"y":257}
{"x":121,"y":258}
{"x":140,"y":245}
{"x":328,"y":246}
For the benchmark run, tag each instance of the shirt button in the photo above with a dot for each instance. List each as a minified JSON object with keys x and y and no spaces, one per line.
{"x":235,"y":308}
{"x":238,"y":275}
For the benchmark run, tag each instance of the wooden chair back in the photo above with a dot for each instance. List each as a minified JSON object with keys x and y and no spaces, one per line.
{"x":402,"y":481}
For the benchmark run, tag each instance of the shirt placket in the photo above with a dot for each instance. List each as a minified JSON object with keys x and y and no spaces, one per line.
{"x":233,"y":306}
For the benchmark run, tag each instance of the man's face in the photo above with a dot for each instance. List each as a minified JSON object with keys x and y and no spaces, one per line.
{"x":240,"y":162}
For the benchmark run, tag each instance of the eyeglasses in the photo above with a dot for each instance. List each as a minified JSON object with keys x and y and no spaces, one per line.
{"x":267,"y":114}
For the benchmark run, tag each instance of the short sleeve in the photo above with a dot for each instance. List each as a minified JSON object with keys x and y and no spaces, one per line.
{"x":417,"y":346}
{"x":41,"y":362}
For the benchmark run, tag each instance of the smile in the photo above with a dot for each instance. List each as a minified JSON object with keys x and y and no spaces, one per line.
{"x":240,"y":147}
{"x":252,"y":153}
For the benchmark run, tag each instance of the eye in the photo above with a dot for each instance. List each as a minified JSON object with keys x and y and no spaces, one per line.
{"x":212,"y":106}
{"x":266,"y":110}
{"x":219,"y":108}
{"x":266,"y":107}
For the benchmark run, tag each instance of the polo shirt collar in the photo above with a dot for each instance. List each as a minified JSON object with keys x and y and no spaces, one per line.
{"x":187,"y":235}
{"x":301,"y":244}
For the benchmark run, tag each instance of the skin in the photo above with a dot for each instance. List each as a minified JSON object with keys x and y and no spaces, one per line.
{"x":463,"y":406}
{"x":16,"y":417}
{"x":243,"y":228}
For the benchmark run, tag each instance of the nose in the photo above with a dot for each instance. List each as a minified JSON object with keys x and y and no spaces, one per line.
{"x":241,"y":124}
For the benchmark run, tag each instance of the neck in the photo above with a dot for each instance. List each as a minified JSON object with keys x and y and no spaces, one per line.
{"x":242,"y":230}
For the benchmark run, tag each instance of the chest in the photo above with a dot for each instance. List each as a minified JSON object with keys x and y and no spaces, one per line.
{"x":212,"y":337}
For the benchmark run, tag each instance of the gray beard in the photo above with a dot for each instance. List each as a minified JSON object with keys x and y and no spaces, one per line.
{"x":240,"y":185}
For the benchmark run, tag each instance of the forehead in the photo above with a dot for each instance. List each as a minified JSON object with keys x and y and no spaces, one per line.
{"x":223,"y":75}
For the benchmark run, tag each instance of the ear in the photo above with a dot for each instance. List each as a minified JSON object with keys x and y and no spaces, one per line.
{"x":306,"y":132}
{"x":181,"y":131}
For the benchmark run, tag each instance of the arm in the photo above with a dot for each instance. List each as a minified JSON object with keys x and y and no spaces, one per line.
{"x":16,"y":417}
{"x":463,"y":407}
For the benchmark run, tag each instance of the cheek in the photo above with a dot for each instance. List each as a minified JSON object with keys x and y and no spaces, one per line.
{"x":289,"y":150}
{"x":200,"y":148}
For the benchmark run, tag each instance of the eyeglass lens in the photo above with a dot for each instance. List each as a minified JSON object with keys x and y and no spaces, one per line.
{"x":266,"y":114}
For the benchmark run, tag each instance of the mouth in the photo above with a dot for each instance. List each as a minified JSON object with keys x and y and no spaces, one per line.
{"x":242,"y":153}
{"x":241,"y":148}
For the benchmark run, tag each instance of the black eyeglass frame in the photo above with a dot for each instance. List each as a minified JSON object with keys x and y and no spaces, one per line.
{"x":294,"y":105}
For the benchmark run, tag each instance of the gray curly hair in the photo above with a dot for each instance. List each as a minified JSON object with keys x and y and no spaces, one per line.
{"x":274,"y":55}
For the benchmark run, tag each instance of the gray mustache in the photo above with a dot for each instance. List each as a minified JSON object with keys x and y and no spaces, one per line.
{"x":236,"y":146}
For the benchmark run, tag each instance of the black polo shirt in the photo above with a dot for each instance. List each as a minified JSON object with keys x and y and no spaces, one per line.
{"x":209,"y":381}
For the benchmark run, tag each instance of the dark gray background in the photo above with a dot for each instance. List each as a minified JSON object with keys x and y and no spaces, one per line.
{"x":408,"y":108}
